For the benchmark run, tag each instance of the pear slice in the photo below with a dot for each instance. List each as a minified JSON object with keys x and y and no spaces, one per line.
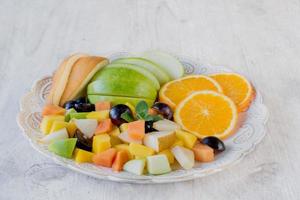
{"x":82,"y":72}
{"x":60,"y":78}
{"x":185,"y":157}
{"x":86,"y":126}
{"x":57,"y":135}
{"x":126,"y":139}
{"x":166,"y":125}
{"x":159,"y":140}
{"x":135,"y":166}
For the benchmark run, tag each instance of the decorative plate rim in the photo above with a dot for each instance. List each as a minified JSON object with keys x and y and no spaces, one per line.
{"x":102,"y":173}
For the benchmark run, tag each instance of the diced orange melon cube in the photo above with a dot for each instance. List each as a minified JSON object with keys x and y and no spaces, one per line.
{"x":103,"y":105}
{"x":104,"y":127}
{"x":136,"y":130}
{"x":53,"y":110}
{"x":105,"y":158}
{"x":203,"y":153}
{"x":121,"y":159}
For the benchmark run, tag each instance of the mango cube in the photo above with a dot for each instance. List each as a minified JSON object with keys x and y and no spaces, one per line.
{"x":47,"y":122}
{"x":58,"y":125}
{"x":158,"y":164}
{"x":140,"y":150}
{"x":169,"y":155}
{"x":189,"y":140}
{"x":82,"y":156}
{"x":124,"y":127}
{"x":125,"y":147}
{"x":98,"y":115}
{"x":101,"y":143}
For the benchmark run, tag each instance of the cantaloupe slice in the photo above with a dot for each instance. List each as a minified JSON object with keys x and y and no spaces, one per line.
{"x":105,"y":158}
{"x":136,"y":130}
{"x":51,"y":109}
{"x":203,"y":153}
{"x":82,"y":72}
{"x":121,"y":159}
{"x":104,"y":127}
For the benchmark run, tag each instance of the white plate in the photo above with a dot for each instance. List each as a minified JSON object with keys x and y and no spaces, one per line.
{"x":238,"y":145}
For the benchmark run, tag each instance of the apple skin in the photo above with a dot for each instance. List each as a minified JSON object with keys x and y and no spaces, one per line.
{"x":63,"y":147}
{"x":119,"y":100}
{"x":115,"y":87}
{"x":127,"y":74}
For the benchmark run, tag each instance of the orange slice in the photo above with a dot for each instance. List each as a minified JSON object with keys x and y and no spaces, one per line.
{"x":173,"y":92}
{"x":207,"y":113}
{"x":236,"y":87}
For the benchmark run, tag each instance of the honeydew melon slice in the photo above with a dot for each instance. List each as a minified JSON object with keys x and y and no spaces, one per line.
{"x":119,"y":100}
{"x":127,"y":73}
{"x":167,"y":62}
{"x":160,"y":74}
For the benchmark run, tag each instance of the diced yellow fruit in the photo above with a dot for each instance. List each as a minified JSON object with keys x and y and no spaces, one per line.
{"x":114,"y":139}
{"x":98,"y":115}
{"x":101,"y":143}
{"x":169,"y":155}
{"x":57,"y":125}
{"x":71,"y":128}
{"x":131,"y":107}
{"x":47,"y":122}
{"x":139,"y":157}
{"x":140,"y":150}
{"x":125,"y":147}
{"x":178,"y":143}
{"x":188,"y":139}
{"x":124,"y":127}
{"x":82,"y":156}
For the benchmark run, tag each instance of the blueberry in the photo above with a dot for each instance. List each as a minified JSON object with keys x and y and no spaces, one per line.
{"x":214,"y":143}
{"x":84,"y":107}
{"x":116,"y":112}
{"x":163,"y":109}
{"x":69,"y":104}
{"x":149,"y":126}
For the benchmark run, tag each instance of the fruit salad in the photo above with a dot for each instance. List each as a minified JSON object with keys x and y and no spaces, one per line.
{"x":141,"y":114}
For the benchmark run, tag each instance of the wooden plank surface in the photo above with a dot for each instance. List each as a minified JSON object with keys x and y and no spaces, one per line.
{"x":260,"y":38}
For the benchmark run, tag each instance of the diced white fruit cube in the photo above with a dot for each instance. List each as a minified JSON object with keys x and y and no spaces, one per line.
{"x":135,"y":166}
{"x":87,"y":126}
{"x":159,"y":140}
{"x":165,"y":125}
{"x":57,"y":135}
{"x":158,"y":164}
{"x":184,"y":156}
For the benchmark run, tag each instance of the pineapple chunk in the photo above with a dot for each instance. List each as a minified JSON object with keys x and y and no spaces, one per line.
{"x":98,"y":115}
{"x":101,"y":143}
{"x":140,"y":150}
{"x":47,"y":122}
{"x":57,"y":125}
{"x":82,"y":156}
{"x":169,"y":155}
{"x":114,"y":139}
{"x":189,"y":140}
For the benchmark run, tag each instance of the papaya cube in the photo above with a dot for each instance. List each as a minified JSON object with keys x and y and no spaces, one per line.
{"x":125,"y":147}
{"x":98,"y":115}
{"x":102,"y":105}
{"x":53,"y":110}
{"x":105,"y":158}
{"x":104,"y":126}
{"x":140,"y":150}
{"x":203,"y":153}
{"x":120,"y":160}
{"x":82,"y":156}
{"x":101,"y":143}
{"x":57,"y":125}
{"x":189,"y":140}
{"x":169,"y":155}
{"x":136,"y":130}
{"x":47,"y":122}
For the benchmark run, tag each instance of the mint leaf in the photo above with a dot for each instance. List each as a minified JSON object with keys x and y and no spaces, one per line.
{"x":141,"y":110}
{"x":127,"y":116}
{"x":152,"y":118}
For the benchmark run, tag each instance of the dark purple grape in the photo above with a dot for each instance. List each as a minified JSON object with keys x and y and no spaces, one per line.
{"x":69,"y":104}
{"x":84,"y":107}
{"x":116,"y":112}
{"x":214,"y":143}
{"x":81,"y":100}
{"x":149,"y":126}
{"x":82,"y":141}
{"x":163,"y":109}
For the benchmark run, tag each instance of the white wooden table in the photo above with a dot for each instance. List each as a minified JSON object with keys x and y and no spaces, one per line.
{"x":260,"y":38}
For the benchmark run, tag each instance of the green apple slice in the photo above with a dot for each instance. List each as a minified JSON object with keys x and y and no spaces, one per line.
{"x":134,"y":88}
{"x":135,"y":166}
{"x":167,"y":62}
{"x":160,"y":74}
{"x":119,"y":100}
{"x":127,"y":74}
{"x":158,"y":164}
{"x":63,"y":147}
